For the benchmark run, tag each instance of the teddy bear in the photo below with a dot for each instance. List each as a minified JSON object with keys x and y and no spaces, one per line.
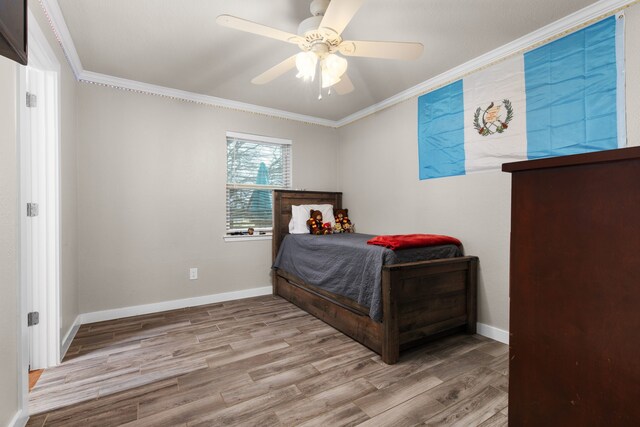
{"x":326,"y":228}
{"x":337,"y":228}
{"x":315,"y":222}
{"x":342,"y":218}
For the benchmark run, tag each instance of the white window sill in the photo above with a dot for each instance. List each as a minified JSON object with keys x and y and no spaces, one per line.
{"x":247,"y":238}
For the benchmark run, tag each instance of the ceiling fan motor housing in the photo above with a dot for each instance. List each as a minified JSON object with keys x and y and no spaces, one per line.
{"x":309,"y":25}
{"x":313,"y":35}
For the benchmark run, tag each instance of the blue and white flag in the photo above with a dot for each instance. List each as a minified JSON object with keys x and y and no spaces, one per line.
{"x":566,"y":97}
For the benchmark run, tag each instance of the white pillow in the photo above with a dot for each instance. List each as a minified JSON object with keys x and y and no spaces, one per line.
{"x":301,"y":213}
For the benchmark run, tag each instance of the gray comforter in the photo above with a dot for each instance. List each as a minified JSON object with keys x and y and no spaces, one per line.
{"x":346,"y":265}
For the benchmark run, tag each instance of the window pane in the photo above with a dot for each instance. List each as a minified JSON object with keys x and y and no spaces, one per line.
{"x":248,"y":208}
{"x":251,"y":165}
{"x":256,"y":163}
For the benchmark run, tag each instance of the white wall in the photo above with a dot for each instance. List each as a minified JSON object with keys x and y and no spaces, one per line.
{"x":378,"y":173}
{"x":8,"y":243}
{"x":151,"y":196}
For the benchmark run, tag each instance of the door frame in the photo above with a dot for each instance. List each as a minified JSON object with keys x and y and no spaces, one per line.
{"x":42,"y":57}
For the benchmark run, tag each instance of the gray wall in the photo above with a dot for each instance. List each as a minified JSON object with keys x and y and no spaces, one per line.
{"x":8,"y":243}
{"x":151,"y":193}
{"x":378,"y":173}
{"x":379,"y":177}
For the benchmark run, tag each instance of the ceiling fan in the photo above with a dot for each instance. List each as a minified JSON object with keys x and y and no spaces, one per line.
{"x":319,"y":41}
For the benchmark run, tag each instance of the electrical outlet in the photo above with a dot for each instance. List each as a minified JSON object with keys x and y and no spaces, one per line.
{"x":193,"y":273}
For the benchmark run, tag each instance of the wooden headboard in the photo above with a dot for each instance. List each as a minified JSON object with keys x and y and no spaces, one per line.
{"x":282,"y":202}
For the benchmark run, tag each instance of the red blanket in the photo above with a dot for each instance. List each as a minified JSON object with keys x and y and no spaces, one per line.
{"x":404,"y":241}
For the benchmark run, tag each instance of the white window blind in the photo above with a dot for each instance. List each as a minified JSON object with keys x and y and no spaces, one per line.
{"x":255,"y":166}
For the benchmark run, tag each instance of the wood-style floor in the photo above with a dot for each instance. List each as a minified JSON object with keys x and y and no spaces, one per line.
{"x":34,"y":376}
{"x":262,"y":362}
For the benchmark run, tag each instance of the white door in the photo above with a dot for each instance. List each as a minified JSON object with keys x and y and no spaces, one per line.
{"x":40,"y":204}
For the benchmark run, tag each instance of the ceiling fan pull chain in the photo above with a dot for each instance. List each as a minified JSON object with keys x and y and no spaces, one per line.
{"x":319,"y":74}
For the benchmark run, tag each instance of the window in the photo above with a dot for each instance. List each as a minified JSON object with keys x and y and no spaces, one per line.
{"x":255,"y":166}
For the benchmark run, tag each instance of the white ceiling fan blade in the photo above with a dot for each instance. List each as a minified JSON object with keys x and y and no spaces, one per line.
{"x":386,"y":50}
{"x":275,"y":71}
{"x":344,"y":86}
{"x":339,"y":14}
{"x":255,"y":28}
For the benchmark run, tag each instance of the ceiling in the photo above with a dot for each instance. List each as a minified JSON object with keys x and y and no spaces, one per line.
{"x":177,"y":44}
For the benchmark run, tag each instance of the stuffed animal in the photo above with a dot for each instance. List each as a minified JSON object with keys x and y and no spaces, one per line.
{"x":326,"y":228}
{"x":315,"y":222}
{"x":342,"y":218}
{"x":337,"y":228}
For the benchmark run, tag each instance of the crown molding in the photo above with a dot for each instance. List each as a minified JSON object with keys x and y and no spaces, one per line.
{"x":141,"y":87}
{"x":562,"y":26}
{"x":61,"y":31}
{"x":556,"y":29}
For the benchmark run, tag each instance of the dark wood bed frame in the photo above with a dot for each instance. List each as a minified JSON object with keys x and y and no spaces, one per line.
{"x":421,"y":300}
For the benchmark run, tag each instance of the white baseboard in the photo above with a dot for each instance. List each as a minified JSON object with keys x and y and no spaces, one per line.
{"x":71,"y":333}
{"x":19,"y":419}
{"x":493,"y":333}
{"x":117,"y":313}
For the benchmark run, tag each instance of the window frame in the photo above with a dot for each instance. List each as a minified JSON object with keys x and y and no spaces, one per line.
{"x":261,"y":233}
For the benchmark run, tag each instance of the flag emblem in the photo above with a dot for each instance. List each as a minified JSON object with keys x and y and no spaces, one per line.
{"x":489,"y":120}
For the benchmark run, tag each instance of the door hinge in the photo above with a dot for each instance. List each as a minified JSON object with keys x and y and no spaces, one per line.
{"x":33,"y":209}
{"x":33,"y":318}
{"x":32,"y":100}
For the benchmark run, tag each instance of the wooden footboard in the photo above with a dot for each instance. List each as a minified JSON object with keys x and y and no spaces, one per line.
{"x":423,"y":300}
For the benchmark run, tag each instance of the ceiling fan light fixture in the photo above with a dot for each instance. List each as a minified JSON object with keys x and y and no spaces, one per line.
{"x":334,"y":65}
{"x":328,"y":80}
{"x":306,"y":63}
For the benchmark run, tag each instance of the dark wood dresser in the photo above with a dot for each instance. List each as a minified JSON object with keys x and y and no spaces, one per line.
{"x":575,"y":290}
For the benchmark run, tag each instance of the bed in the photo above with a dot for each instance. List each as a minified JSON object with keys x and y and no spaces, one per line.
{"x":420,"y":301}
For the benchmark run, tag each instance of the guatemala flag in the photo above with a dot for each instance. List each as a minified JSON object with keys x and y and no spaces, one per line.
{"x":565,"y":97}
